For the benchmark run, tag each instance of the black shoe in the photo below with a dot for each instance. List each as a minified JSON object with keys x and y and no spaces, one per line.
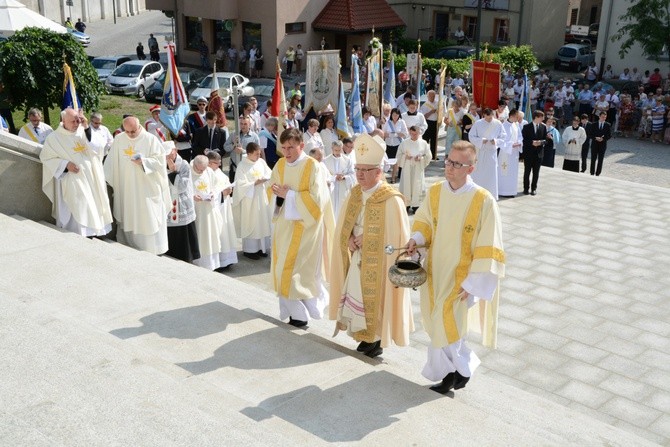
{"x":532,"y":193}
{"x":460,"y":381}
{"x":296,"y":323}
{"x":375,"y":349}
{"x":414,"y":208}
{"x":583,"y":170}
{"x":525,"y":192}
{"x":445,"y":386}
{"x":261,"y":254}
{"x":253,"y":256}
{"x":364,"y":346}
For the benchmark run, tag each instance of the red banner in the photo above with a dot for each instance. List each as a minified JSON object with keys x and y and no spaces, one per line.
{"x":486,"y":84}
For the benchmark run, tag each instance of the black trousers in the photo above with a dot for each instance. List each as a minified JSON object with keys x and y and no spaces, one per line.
{"x":585,"y":155}
{"x":430,"y":136}
{"x":597,"y":157}
{"x":531,"y":165}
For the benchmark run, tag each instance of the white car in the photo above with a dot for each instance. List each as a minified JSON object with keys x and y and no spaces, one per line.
{"x":225,"y":81}
{"x":133,"y":77}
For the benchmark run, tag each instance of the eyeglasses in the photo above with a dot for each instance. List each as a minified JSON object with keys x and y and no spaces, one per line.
{"x":455,"y":164}
{"x":363,"y":170}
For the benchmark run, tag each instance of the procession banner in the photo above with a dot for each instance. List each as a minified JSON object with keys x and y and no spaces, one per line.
{"x":278,"y":107}
{"x":441,"y":102}
{"x":373,"y":87}
{"x":486,"y":83}
{"x":174,"y":105}
{"x":70,"y":98}
{"x":389,"y":87}
{"x":322,"y":80}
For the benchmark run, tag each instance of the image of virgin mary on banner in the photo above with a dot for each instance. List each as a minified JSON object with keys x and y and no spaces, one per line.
{"x":373,"y":89}
{"x":322,"y":79}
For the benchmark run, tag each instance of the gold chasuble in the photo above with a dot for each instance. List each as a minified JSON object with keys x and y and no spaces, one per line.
{"x":387,"y":309}
{"x":300,"y":245}
{"x":464,"y":235}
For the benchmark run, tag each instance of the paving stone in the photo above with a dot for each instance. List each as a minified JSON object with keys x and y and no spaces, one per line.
{"x":574,"y":316}
{"x":626,"y":387}
{"x":515,"y":313}
{"x":510,"y":345}
{"x":660,"y":400}
{"x":546,"y":307}
{"x":632,"y":412}
{"x":584,"y":394}
{"x":655,"y":341}
{"x":516,"y":298}
{"x":583,"y":352}
{"x":545,"y":339}
{"x":653,"y":325}
{"x":656,"y":359}
{"x":582,"y":334}
{"x":578,"y":290}
{"x":545,"y":322}
{"x":538,"y":356}
{"x":611,"y":313}
{"x":612,"y":299}
{"x":656,"y":377}
{"x":542,"y":378}
{"x":583,"y":372}
{"x":504,"y":363}
{"x":619,"y":330}
{"x":547,"y":293}
{"x":512,"y":328}
{"x":587,"y":305}
{"x":623,"y":366}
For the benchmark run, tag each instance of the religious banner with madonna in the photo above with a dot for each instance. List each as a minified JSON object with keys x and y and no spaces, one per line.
{"x":322,"y":80}
{"x":486,"y":84}
{"x":373,"y":86}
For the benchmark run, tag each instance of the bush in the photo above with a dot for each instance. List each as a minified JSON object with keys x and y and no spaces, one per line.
{"x":516,"y":58}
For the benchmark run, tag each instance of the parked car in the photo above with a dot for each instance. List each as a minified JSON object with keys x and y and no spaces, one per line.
{"x":105,"y":65}
{"x":82,"y":38}
{"x":225,"y":79}
{"x":454,"y":52}
{"x":133,"y":77}
{"x":190,"y":78}
{"x":574,"y":56}
{"x":263,"y":89}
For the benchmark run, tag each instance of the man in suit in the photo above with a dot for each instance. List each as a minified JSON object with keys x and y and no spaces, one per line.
{"x":584,"y":122}
{"x":210,"y":137}
{"x":534,"y":138}
{"x":601,"y":131}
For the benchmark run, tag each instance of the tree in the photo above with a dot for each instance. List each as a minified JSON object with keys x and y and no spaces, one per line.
{"x":32,"y":70}
{"x":647,"y":23}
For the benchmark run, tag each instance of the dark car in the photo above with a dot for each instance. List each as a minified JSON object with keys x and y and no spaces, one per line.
{"x":190,"y":78}
{"x":454,"y":52}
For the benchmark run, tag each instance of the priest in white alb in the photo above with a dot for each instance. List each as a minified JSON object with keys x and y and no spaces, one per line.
{"x":251,"y":207}
{"x":342,"y":176}
{"x":208,"y":219}
{"x":508,"y":157}
{"x":135,"y":169}
{"x":460,"y":224}
{"x":74,"y":180}
{"x":299,"y":197}
{"x":362,"y":299}
{"x":487,"y":134}
{"x":413,"y":157}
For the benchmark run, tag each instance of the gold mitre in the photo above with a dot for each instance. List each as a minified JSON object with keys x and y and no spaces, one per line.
{"x":369,"y":150}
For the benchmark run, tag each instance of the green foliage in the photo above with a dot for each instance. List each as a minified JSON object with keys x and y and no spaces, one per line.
{"x":647,"y":23}
{"x":428,"y":47}
{"x":519,"y":58}
{"x":32,"y":70}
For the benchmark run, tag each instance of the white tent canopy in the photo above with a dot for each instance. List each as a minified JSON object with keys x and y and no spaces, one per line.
{"x":15,"y":16}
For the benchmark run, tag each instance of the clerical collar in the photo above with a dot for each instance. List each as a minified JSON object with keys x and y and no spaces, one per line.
{"x":469,"y":184}
{"x":411,"y":114}
{"x":301,"y":157}
{"x":372,"y":190}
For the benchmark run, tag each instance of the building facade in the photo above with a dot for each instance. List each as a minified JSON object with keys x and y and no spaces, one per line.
{"x":87,"y":10}
{"x":516,"y":22}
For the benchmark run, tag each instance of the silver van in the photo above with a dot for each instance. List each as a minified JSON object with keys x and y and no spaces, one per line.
{"x":573,"y":56}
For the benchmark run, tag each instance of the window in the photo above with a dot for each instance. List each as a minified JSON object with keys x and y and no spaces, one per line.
{"x":193,"y":31}
{"x":441,"y":26}
{"x":574,"y":12}
{"x":470,"y":26}
{"x":222,"y":34}
{"x":296,"y":28}
{"x":251,"y":34}
{"x":501,"y":30}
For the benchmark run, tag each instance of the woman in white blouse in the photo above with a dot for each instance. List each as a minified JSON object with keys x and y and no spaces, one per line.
{"x":395,"y":130}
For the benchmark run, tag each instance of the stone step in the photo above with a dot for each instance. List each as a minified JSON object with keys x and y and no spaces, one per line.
{"x":173,"y":343}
